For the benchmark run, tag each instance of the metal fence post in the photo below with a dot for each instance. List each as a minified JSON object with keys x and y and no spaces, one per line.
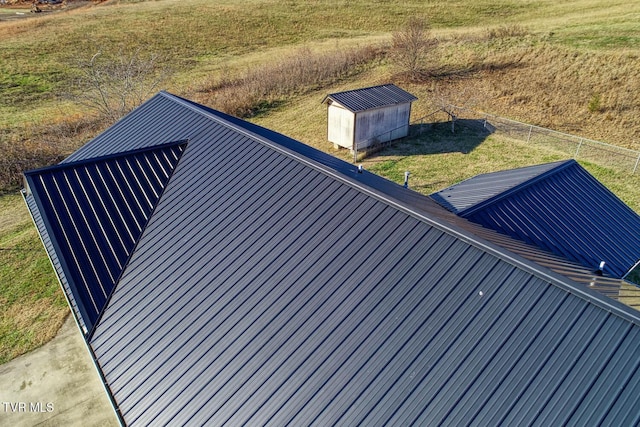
{"x":508,"y":126}
{"x":578,"y":149}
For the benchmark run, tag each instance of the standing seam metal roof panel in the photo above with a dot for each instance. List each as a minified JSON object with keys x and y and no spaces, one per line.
{"x":238,"y":366}
{"x":95,"y":214}
{"x":371,"y":97}
{"x":271,"y":288}
{"x":562,"y":209}
{"x":56,"y":261}
{"x":483,"y":187}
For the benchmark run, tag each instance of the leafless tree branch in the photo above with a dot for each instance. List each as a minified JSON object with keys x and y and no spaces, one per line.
{"x":411,"y":47}
{"x":113,"y":86}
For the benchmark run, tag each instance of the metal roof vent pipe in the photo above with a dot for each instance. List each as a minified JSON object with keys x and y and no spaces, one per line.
{"x":406,"y":179}
{"x":600,"y":268}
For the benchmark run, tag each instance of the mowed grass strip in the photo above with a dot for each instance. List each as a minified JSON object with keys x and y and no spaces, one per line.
{"x":32,"y":306}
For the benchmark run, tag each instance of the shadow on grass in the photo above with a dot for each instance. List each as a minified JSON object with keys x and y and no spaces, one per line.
{"x":430,"y":138}
{"x":437,"y":138}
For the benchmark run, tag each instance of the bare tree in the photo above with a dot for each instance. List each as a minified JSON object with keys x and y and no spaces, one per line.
{"x":411,"y":47}
{"x":113,"y":86}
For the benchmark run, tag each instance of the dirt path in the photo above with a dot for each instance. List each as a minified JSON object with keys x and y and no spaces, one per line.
{"x":22,"y":10}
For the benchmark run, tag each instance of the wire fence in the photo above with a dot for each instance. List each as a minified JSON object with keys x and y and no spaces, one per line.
{"x":574,"y":146}
{"x":577,"y":147}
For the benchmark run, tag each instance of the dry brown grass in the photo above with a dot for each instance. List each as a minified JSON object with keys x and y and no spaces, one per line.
{"x":630,"y":295}
{"x":592,"y":94}
{"x":42,"y":145}
{"x":558,"y":88}
{"x":267,"y":85}
{"x":513,"y":73}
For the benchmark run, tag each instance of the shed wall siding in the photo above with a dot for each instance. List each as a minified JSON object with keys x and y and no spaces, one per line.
{"x":340,"y":126}
{"x":382,"y":125}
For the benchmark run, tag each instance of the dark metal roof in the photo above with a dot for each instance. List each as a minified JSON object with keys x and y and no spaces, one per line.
{"x":605,"y":284}
{"x":371,"y":97}
{"x":95,"y":213}
{"x":119,"y":138}
{"x":559,"y":207}
{"x":273,"y":285}
{"x":480,"y":188}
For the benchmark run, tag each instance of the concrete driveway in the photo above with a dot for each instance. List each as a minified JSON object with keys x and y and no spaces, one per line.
{"x":55,"y":385}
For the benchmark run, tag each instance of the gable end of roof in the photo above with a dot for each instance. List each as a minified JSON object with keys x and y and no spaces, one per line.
{"x":94,"y":211}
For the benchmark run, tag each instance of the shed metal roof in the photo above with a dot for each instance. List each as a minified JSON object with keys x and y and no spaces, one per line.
{"x":371,"y":97}
{"x":559,"y":207}
{"x":276,"y":285}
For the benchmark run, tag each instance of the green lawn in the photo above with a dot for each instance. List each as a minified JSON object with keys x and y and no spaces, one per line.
{"x":32,"y":306}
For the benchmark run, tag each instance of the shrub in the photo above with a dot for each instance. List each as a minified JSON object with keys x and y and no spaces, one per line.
{"x":112,"y":85}
{"x":506,"y":31}
{"x":594,"y":103}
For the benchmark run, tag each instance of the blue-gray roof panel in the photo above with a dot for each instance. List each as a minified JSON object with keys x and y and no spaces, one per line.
{"x":473,"y":191}
{"x":271,"y":288}
{"x":95,"y":213}
{"x":56,"y":261}
{"x":560,"y":208}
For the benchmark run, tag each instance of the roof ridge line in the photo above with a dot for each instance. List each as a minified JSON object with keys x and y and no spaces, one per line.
{"x":363,"y":88}
{"x":476,"y":241}
{"x":76,"y":163}
{"x":517,"y":188}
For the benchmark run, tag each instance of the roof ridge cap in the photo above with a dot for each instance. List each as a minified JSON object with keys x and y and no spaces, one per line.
{"x":517,"y":188}
{"x":513,"y":258}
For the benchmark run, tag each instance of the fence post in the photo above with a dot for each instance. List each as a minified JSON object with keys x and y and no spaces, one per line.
{"x":502,"y":124}
{"x":355,"y":151}
{"x":578,"y":149}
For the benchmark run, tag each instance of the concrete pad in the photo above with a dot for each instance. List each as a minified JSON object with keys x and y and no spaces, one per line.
{"x":55,"y":385}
